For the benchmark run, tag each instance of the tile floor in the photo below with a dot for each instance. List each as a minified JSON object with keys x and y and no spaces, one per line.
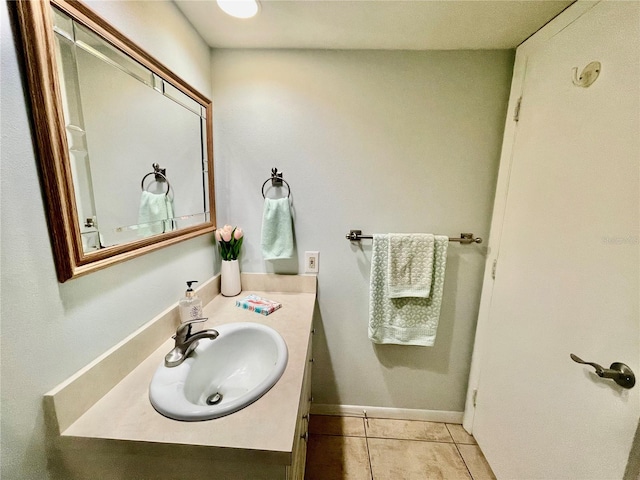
{"x":354,"y":448}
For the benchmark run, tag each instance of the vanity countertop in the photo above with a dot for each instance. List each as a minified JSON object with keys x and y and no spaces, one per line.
{"x":264,"y":430}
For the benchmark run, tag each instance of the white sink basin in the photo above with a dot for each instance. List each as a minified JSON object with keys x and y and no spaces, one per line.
{"x":221,"y":376}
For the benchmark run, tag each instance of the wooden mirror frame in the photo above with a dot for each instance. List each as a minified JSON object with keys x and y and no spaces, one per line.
{"x":38,"y":40}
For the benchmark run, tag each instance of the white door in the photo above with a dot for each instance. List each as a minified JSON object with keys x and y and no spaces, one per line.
{"x":568,"y":266}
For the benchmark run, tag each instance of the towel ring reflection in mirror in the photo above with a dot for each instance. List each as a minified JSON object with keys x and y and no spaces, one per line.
{"x":160,"y":176}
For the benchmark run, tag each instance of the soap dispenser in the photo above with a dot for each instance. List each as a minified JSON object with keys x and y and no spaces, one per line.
{"x":190,"y":306}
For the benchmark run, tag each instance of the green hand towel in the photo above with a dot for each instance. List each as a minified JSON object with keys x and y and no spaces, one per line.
{"x":155,"y":214}
{"x":277,"y":231}
{"x":410,"y":264}
{"x":409,"y":320}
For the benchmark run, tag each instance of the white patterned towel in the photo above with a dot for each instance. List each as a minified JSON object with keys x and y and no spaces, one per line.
{"x":410,"y":264}
{"x":404,"y":321}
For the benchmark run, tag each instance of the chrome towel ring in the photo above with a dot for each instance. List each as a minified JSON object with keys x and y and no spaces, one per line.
{"x":160,"y":176}
{"x":276,"y":181}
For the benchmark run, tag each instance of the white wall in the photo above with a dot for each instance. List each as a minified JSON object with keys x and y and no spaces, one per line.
{"x":50,"y":330}
{"x":379,"y":140}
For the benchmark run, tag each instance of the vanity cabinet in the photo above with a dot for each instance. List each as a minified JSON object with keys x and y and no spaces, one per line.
{"x":265,"y":441}
{"x":299,"y":454}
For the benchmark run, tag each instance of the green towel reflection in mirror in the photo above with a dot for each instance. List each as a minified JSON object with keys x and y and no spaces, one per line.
{"x":155,"y":215}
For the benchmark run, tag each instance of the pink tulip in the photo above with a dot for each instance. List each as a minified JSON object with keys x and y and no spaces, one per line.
{"x":217,"y":234}
{"x":226,"y":235}
{"x":238,"y":233}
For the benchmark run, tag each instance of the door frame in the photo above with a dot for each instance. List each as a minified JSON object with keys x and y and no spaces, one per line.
{"x":524,"y":50}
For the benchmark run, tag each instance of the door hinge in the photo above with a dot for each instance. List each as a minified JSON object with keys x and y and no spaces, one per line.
{"x":516,"y":110}
{"x":493,"y":269}
{"x":475,"y":397}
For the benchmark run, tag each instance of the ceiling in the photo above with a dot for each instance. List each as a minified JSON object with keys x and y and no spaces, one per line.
{"x":374,"y":24}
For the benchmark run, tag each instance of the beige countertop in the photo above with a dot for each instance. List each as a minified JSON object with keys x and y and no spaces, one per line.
{"x":263,"y":431}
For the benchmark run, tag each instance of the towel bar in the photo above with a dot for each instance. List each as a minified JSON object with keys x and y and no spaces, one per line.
{"x":464,"y":239}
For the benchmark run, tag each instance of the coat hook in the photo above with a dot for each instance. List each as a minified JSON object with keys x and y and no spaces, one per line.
{"x":588,"y":76}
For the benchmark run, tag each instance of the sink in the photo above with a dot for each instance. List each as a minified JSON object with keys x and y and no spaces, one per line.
{"x":221,"y":376}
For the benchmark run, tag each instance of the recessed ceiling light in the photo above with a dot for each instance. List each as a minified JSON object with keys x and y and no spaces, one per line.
{"x":239,"y":8}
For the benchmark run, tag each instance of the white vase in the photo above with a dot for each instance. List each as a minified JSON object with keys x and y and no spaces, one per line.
{"x":230,"y":278}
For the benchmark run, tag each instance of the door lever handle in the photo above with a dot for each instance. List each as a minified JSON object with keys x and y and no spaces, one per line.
{"x":618,"y":372}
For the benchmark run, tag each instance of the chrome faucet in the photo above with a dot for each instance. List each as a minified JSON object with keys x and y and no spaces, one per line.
{"x":186,"y":342}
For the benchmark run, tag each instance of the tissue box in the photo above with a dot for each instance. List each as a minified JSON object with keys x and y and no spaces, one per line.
{"x":258,"y":304}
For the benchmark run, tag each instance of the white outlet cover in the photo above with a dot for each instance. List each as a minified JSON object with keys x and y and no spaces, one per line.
{"x":311,"y":260}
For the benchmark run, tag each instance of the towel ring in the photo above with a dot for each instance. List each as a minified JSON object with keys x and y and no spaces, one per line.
{"x":157,"y":174}
{"x":276,"y":181}
{"x":288,"y":187}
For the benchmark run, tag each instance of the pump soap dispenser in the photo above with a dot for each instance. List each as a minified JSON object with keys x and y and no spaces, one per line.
{"x":190,"y":306}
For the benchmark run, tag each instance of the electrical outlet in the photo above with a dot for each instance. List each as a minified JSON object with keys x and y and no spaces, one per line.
{"x":311,"y":262}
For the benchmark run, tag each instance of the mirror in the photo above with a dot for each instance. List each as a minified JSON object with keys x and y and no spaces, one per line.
{"x":125,"y":146}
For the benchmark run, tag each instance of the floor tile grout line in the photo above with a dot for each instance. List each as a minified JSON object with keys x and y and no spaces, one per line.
{"x":366,"y":441}
{"x":416,"y":440}
{"x":446,"y":427}
{"x":412,"y":439}
{"x":365,"y":419}
{"x":464,"y":461}
{"x":453,"y":441}
{"x":367,"y":437}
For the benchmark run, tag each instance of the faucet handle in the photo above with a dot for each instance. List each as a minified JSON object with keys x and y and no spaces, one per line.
{"x":184,"y":329}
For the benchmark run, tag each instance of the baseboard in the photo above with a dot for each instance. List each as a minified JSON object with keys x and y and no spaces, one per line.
{"x":385,"y":412}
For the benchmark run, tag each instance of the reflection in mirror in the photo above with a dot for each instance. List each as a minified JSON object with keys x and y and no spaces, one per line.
{"x":120,"y":120}
{"x":125,"y":145}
